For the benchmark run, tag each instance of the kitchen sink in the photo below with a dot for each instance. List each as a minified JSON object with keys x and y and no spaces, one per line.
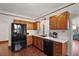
{"x":43,"y":35}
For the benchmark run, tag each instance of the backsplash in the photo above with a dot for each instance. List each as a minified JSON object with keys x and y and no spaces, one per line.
{"x":32,"y":32}
{"x":63,"y":34}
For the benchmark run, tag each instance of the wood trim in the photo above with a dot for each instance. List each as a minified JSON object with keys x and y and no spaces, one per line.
{"x":15,"y":16}
{"x":57,"y":10}
{"x":3,"y":41}
{"x":22,"y":21}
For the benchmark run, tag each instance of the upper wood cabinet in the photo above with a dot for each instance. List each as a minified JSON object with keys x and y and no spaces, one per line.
{"x":35,"y":26}
{"x":30,"y":25}
{"x":53,"y":22}
{"x":38,"y":25}
{"x":59,"y":22}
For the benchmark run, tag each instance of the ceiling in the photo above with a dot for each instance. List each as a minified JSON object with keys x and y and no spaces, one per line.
{"x":32,"y":10}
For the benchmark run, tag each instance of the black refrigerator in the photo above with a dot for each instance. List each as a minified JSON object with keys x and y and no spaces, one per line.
{"x":18,"y":37}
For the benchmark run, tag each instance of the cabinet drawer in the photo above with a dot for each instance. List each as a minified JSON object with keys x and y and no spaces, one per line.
{"x":57,"y":51}
{"x":57,"y":47}
{"x":57,"y":44}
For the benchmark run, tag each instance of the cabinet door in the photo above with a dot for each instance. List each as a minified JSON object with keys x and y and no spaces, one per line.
{"x":35,"y":26}
{"x":60,"y":49}
{"x":64,"y":49}
{"x":40,"y":43}
{"x":29,"y":26}
{"x":38,"y":25}
{"x":62,"y":21}
{"x":29,"y":40}
{"x":57,"y":49}
{"x":53,"y":22}
{"x":34,"y":41}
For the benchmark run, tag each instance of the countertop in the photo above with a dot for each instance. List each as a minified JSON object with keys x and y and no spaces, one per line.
{"x":53,"y":39}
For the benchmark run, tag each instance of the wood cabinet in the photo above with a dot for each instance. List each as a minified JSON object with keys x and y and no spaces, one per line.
{"x":35,"y":26}
{"x":38,"y":42}
{"x":35,"y":41}
{"x":29,"y":40}
{"x":38,"y":25}
{"x":63,"y":20}
{"x":59,"y":22}
{"x":53,"y":22}
{"x":59,"y":49}
{"x":30,"y":25}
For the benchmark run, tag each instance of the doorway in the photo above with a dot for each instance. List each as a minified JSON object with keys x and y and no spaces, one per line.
{"x":75,"y":41}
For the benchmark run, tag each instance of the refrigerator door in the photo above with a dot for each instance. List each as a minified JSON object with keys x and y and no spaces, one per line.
{"x":18,"y":36}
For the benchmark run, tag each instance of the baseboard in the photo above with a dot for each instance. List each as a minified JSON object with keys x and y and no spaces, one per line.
{"x":29,"y":45}
{"x":76,"y":39}
{"x":3,"y":41}
{"x":9,"y":47}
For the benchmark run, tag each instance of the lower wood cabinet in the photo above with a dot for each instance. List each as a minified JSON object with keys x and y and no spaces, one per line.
{"x":35,"y":41}
{"x":29,"y":40}
{"x":51,"y":48}
{"x":59,"y":49}
{"x":38,"y":42}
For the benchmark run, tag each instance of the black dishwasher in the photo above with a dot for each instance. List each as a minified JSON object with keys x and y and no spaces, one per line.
{"x":48,"y":47}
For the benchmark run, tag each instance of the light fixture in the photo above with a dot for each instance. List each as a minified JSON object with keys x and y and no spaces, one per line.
{"x":74,"y":27}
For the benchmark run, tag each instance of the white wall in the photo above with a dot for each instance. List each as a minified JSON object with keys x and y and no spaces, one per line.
{"x":5,"y":26}
{"x":62,"y":34}
{"x":75,"y":21}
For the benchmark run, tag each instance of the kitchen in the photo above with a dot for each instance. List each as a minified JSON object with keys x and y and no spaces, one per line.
{"x":49,"y":34}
